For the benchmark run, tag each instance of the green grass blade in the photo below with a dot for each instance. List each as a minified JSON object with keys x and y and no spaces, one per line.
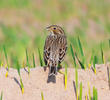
{"x":73,"y":55}
{"x":94,"y":62}
{"x":0,"y":63}
{"x":65,"y":77}
{"x":89,"y":91}
{"x":34,"y":65}
{"x":80,"y":47}
{"x":6,"y":57}
{"x":42,"y":96}
{"x":18,"y":67}
{"x":0,"y":58}
{"x":82,"y":53}
{"x":95,"y":97}
{"x":86,"y":96}
{"x":16,"y":64}
{"x":21,"y":84}
{"x":23,"y":64}
{"x":81,"y":64}
{"x":92,"y":57}
{"x":109,"y":43}
{"x":93,"y":93}
{"x":1,"y":97}
{"x":4,"y":49}
{"x":102,"y":54}
{"x":27,"y":61}
{"x":76,"y":78}
{"x":76,"y":82}
{"x":40,"y":58}
{"x":80,"y":95}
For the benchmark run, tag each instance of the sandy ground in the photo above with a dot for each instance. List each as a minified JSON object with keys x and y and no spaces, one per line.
{"x":37,"y":83}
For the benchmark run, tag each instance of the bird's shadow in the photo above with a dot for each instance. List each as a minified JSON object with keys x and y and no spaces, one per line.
{"x":52,"y":79}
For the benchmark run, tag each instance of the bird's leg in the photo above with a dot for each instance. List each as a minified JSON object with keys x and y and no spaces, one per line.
{"x":50,"y":73}
{"x":49,"y":68}
{"x":56,"y":69}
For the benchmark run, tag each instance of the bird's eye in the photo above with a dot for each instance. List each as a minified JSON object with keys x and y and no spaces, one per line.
{"x":54,"y":28}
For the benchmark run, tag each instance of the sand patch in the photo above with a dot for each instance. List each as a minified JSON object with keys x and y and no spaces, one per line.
{"x":37,"y":83}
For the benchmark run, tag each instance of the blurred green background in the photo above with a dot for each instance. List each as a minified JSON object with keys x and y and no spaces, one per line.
{"x":23,"y":22}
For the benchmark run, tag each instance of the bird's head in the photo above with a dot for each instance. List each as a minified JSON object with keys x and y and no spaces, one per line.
{"x":55,"y":30}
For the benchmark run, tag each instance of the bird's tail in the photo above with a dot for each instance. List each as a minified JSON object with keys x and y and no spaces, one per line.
{"x":52,"y":70}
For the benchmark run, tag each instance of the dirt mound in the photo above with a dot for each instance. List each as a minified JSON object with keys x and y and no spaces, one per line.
{"x":37,"y":82}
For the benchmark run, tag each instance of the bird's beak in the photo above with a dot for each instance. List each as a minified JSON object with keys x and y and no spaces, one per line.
{"x":47,"y":28}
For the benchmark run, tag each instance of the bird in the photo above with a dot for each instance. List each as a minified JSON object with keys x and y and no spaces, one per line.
{"x":55,"y":48}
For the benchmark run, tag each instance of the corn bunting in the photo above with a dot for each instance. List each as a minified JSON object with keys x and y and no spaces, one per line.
{"x":55,"y":48}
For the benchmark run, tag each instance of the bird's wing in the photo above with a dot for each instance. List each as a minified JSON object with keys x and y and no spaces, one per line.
{"x":62,"y":48}
{"x":47,"y":46}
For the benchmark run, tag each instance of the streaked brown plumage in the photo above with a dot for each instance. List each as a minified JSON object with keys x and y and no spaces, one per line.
{"x":55,"y":48}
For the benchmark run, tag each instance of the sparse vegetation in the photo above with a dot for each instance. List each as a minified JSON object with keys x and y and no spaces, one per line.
{"x":42,"y":95}
{"x":41,"y":61}
{"x":27,"y":62}
{"x":65,"y":77}
{"x":82,"y":54}
{"x":6,"y":58}
{"x":94,"y":62}
{"x":17,"y":38}
{"x":73,"y":55}
{"x":102,"y":54}
{"x":1,"y":96}
{"x":86,"y":25}
{"x":76,"y":82}
{"x":95,"y":95}
{"x":34,"y":65}
{"x":17,"y":66}
{"x":89,"y":91}
{"x":80,"y":93}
